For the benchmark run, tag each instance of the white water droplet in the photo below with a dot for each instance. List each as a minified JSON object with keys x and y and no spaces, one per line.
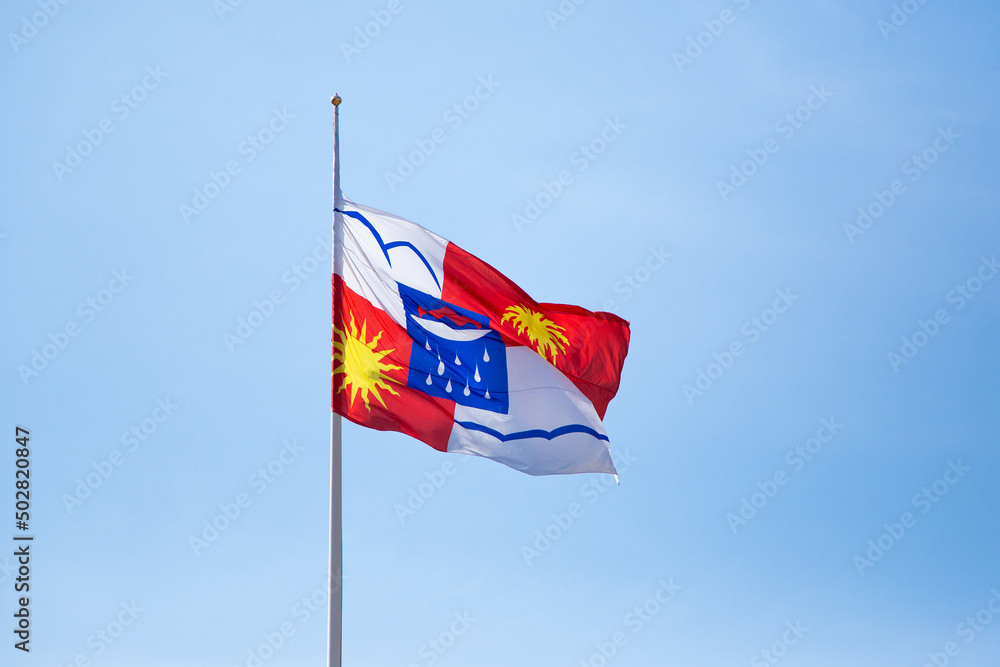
{"x":440,"y":367}
{"x":478,"y":379}
{"x":467,"y":390}
{"x":429,"y":381}
{"x":448,"y":388}
{"x":486,"y":355}
{"x":428,"y":344}
{"x":487,"y":393}
{"x":458,"y":362}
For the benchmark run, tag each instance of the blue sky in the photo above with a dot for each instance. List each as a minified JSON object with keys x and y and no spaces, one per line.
{"x":740,"y":138}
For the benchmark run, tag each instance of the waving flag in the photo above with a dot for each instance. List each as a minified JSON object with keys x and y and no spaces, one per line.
{"x":433,"y":342}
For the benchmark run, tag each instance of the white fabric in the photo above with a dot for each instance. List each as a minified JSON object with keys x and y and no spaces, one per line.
{"x":543,"y":398}
{"x":363,"y":265}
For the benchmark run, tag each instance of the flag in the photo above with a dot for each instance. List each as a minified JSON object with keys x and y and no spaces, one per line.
{"x":433,"y":342}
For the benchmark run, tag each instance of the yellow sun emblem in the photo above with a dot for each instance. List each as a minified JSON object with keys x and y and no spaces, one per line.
{"x":361,"y":364}
{"x":546,"y":335}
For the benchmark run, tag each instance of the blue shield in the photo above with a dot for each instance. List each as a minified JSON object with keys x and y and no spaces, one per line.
{"x":455,"y":355}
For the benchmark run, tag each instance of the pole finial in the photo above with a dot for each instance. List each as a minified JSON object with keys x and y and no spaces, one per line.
{"x":335,"y":100}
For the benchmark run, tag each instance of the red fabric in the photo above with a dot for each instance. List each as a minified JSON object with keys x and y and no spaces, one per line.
{"x":596,"y":342}
{"x":409,"y":411}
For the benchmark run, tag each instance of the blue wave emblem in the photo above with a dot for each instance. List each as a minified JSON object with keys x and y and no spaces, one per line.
{"x":386,"y":247}
{"x":534,"y":433}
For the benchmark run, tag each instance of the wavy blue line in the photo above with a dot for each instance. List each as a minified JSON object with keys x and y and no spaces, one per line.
{"x":394,"y":244}
{"x":534,"y":433}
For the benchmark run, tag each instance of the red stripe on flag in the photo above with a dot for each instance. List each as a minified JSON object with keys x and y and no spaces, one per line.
{"x":371,"y":358}
{"x":589,"y":348}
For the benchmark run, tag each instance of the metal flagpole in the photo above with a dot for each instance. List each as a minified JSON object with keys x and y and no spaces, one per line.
{"x":336,"y":587}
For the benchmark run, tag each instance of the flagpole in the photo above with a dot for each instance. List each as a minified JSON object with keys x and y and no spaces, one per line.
{"x":336,"y":588}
